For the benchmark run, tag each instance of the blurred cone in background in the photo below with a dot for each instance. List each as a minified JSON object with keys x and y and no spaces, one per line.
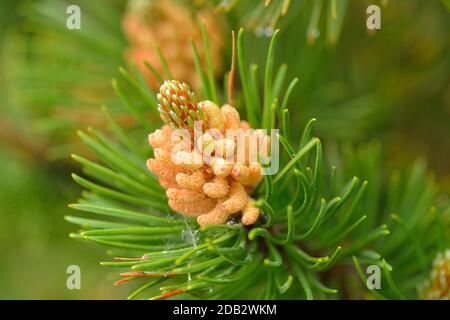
{"x":169,"y":25}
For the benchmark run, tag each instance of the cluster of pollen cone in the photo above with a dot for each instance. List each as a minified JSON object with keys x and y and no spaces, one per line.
{"x":214,"y":188}
{"x":438,"y":287}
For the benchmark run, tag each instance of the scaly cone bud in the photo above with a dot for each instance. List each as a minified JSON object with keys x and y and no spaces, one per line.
{"x":176,"y":103}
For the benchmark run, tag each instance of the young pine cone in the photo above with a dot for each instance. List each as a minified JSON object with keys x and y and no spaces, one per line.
{"x":212,"y":185}
{"x":438,"y":287}
{"x":177,"y":105}
{"x":169,"y":25}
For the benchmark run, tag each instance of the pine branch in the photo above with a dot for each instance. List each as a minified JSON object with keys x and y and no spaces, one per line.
{"x":222,"y":261}
{"x":317,"y":220}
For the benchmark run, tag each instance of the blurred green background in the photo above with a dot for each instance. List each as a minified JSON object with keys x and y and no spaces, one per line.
{"x":393,"y":85}
{"x":34,"y":193}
